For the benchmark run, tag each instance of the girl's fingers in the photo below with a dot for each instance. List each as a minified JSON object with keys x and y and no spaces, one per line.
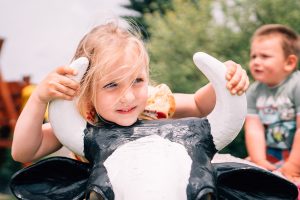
{"x":66,"y":81}
{"x":231,"y":69}
{"x":65,"y":70}
{"x":61,"y":87}
{"x":235,"y":80}
{"x":63,"y":90}
{"x":243,"y":84}
{"x":55,"y":94}
{"x":239,"y":88}
{"x":58,"y":85}
{"x":231,"y":73}
{"x":238,"y":81}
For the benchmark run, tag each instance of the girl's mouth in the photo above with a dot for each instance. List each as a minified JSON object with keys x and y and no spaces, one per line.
{"x":126,"y":110}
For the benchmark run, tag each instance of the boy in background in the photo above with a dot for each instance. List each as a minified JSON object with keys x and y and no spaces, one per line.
{"x":272,"y":128}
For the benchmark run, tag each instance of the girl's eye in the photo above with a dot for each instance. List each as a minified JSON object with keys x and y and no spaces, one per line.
{"x":110,"y":85}
{"x":138,"y":80}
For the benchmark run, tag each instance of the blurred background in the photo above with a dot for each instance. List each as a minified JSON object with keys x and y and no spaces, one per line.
{"x":38,"y":35}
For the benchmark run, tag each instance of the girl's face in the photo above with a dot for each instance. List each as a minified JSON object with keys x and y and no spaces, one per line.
{"x":267,"y":60}
{"x":122,"y":102}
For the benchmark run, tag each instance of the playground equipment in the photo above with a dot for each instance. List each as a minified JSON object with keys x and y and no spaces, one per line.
{"x":10,"y":105}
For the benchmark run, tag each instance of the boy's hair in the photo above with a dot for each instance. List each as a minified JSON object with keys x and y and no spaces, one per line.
{"x":106,"y":46}
{"x":290,"y":39}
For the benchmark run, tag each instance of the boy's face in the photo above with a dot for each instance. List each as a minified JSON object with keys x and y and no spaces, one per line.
{"x":122,"y":102}
{"x":267,"y":60}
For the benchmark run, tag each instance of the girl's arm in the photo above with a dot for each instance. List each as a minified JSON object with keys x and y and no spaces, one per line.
{"x":203,"y":101}
{"x":32,"y":139}
{"x":188,"y":105}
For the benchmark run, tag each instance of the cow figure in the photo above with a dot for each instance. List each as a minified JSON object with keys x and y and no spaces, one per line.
{"x":158,"y":159}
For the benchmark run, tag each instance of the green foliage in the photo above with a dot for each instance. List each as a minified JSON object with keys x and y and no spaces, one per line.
{"x":237,"y":147}
{"x":189,"y":27}
{"x":144,"y":7}
{"x":7,"y":168}
{"x":175,"y":37}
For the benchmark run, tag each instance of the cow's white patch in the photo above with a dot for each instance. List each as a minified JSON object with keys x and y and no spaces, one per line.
{"x":149,"y":168}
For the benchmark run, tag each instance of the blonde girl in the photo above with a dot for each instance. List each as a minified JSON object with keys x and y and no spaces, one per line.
{"x":115,"y":89}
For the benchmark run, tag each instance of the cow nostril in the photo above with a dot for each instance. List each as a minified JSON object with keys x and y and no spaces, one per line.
{"x":95,"y":196}
{"x":208,"y":196}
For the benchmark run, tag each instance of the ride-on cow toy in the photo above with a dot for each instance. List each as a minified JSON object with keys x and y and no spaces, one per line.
{"x":157,"y":160}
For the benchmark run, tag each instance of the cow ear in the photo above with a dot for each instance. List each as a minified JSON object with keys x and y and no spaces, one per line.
{"x":57,"y":178}
{"x":242,"y":181}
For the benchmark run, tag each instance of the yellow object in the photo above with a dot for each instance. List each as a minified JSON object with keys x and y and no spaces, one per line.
{"x":26,"y":92}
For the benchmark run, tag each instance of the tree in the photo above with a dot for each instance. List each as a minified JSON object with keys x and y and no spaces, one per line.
{"x":175,"y":37}
{"x":144,"y":7}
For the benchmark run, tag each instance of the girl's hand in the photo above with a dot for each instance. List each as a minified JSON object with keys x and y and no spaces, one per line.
{"x":57,"y":84}
{"x":238,"y":81}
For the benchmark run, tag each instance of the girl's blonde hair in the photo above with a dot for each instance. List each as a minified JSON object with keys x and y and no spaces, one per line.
{"x":106,"y":46}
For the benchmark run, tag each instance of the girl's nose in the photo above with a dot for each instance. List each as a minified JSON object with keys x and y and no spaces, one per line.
{"x":128,"y":96}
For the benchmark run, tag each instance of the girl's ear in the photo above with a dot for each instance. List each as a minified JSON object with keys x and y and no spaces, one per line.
{"x":291,"y":63}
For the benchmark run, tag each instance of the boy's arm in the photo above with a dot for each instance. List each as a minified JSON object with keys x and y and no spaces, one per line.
{"x":291,"y":168}
{"x":256,"y":143}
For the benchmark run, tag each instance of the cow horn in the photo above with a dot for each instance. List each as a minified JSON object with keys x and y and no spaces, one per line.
{"x":67,"y":123}
{"x":229,"y":113}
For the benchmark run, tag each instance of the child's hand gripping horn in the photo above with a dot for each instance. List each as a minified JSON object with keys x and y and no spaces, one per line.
{"x":228,"y":116}
{"x":67,"y":123}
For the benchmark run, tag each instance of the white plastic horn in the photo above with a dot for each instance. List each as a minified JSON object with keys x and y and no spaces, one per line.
{"x":67,"y":123}
{"x":228,"y":116}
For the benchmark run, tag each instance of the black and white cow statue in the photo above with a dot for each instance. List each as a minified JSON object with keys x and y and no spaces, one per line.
{"x":157,"y":160}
